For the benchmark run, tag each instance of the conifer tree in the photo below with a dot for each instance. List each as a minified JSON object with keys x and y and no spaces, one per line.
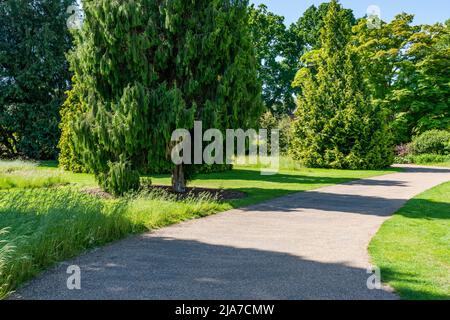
{"x":337,"y":125}
{"x":145,"y":68}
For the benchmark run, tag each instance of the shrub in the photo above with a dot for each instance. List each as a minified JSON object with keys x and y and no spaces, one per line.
{"x":121,"y":178}
{"x":34,"y":74}
{"x":403,"y":150}
{"x":432,"y":142}
{"x":404,"y":160}
{"x":422,"y":159}
{"x":41,"y":227}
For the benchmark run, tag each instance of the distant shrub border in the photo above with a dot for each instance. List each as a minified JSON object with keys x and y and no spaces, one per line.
{"x":432,"y":142}
{"x":422,"y":159}
{"x":431,"y":147}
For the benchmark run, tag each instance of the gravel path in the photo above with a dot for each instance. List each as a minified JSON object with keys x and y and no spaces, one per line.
{"x":310,"y":245}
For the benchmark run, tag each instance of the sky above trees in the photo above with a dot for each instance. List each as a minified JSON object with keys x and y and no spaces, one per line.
{"x":426,"y":12}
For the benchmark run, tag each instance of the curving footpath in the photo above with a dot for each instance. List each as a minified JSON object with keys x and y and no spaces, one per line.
{"x":310,"y":245}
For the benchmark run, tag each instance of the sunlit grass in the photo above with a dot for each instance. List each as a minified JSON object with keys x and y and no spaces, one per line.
{"x":413,"y":248}
{"x":292,"y":177}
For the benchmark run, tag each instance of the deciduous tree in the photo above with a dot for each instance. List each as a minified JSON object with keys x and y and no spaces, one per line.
{"x":278,"y":52}
{"x":146,"y":68}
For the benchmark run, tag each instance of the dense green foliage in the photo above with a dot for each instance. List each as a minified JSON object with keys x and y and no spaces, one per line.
{"x":41,"y":226}
{"x":411,"y":249}
{"x":146,"y":68}
{"x":69,"y":158}
{"x":279,"y":48}
{"x":283,"y":123}
{"x":336,"y":123}
{"x":153,"y":60}
{"x":308,"y":28}
{"x":432,"y":142}
{"x":431,"y":159}
{"x":407,"y":69}
{"x":33,"y":76}
{"x":278,"y":52}
{"x":431,"y":147}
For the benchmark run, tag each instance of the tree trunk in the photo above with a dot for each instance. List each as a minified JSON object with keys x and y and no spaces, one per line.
{"x":178,"y":180}
{"x":8,"y":144}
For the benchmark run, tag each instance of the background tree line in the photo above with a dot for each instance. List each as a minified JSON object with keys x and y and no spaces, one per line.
{"x":344,"y":94}
{"x":406,"y":66}
{"x":34,"y":76}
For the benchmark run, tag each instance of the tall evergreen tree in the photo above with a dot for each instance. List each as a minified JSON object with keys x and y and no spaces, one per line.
{"x":145,"y":68}
{"x":71,"y":109}
{"x":336,"y":124}
{"x":33,"y":75}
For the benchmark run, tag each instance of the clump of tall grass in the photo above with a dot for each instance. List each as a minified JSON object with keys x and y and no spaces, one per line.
{"x":30,"y":180}
{"x":159,"y":208}
{"x":46,"y":226}
{"x":25,"y":175}
{"x":6,"y":251}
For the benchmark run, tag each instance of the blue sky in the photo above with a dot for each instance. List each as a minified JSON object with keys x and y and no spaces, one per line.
{"x":426,"y":11}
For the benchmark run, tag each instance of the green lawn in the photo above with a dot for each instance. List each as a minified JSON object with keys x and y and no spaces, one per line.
{"x":440,"y":164}
{"x":413,"y":248}
{"x":44,"y":218}
{"x":291,"y":178}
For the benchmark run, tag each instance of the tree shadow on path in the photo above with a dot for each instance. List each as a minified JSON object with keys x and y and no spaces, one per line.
{"x":164,"y":268}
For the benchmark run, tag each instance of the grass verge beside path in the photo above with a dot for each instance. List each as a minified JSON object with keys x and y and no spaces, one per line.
{"x":413,"y":248}
{"x":40,"y":227}
{"x":50,"y":220}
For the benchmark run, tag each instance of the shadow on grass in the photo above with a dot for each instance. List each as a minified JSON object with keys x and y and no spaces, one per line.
{"x":50,"y":164}
{"x":412,"y":248}
{"x":254,"y":175}
{"x":405,"y":283}
{"x":425,"y":209}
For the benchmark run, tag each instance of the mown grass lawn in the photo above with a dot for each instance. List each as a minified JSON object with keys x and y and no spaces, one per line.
{"x":45,"y":218}
{"x":413,"y":248}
